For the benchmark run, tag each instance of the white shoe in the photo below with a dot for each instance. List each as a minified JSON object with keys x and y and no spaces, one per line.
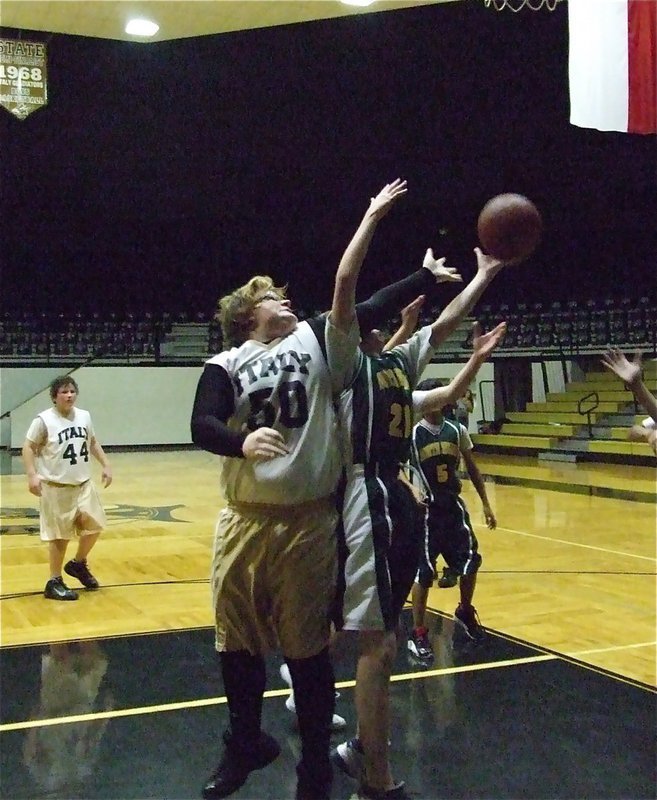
{"x":348,"y":757}
{"x":337,"y":723}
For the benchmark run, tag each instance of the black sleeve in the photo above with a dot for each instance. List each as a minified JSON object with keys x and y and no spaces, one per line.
{"x":318,"y":327}
{"x":214,"y":404}
{"x":383,"y":305}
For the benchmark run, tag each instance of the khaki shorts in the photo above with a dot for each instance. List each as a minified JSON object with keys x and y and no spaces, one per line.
{"x":60,"y":506}
{"x":273,"y":577}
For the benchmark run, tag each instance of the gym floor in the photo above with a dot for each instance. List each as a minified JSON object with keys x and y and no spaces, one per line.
{"x":142,"y":716}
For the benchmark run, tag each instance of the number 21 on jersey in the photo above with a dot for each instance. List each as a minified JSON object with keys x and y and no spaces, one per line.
{"x":400,"y":420}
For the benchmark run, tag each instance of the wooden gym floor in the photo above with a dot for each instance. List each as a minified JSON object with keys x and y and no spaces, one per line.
{"x":118,"y":695}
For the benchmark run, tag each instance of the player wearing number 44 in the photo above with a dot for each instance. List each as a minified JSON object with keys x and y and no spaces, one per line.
{"x":56,"y":454}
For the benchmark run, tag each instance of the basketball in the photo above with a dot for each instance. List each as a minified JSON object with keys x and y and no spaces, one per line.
{"x":509,"y":227}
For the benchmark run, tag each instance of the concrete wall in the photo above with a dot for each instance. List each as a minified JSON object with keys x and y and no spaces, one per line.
{"x":128,"y":405}
{"x":147,"y":405}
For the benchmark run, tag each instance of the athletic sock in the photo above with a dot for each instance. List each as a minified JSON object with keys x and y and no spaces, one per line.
{"x":244,"y":683}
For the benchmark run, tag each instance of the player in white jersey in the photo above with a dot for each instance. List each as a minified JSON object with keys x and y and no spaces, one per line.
{"x":266,"y":406}
{"x":631,"y":373}
{"x":56,"y":453}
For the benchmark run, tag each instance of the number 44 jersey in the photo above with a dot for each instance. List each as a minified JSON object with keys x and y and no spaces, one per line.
{"x":64,"y":442}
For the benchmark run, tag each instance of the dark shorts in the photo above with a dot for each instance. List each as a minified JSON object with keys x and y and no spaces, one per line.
{"x":379,"y":544}
{"x":448,"y":533}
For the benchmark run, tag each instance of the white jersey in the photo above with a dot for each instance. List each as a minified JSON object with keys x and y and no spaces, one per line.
{"x":287,"y":385}
{"x":64,"y":445}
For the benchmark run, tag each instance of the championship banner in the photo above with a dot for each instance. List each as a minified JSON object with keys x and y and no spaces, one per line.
{"x":23,"y":84}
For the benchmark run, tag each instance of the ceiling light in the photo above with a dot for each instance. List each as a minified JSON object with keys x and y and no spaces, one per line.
{"x":358,"y":2}
{"x":141,"y":27}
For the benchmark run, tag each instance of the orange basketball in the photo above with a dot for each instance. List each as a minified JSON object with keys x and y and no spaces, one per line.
{"x":509,"y":227}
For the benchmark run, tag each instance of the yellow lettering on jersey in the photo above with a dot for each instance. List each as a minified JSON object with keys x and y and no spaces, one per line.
{"x":392,"y":378}
{"x":439,"y":449}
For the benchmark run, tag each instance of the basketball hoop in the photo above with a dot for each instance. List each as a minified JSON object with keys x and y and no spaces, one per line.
{"x":518,"y":5}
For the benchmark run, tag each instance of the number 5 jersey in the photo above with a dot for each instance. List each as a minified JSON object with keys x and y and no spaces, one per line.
{"x":64,"y":443}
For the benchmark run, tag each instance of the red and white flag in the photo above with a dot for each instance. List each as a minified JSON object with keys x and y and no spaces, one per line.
{"x":613,"y":65}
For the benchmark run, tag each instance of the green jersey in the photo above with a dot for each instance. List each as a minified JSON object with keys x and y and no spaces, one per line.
{"x":435,"y":456}
{"x":376,"y":412}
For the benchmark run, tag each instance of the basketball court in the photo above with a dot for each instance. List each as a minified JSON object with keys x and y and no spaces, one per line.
{"x":118,"y":695}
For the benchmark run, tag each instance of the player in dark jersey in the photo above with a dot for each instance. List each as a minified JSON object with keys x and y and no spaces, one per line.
{"x":439,"y":444}
{"x":378,"y":540}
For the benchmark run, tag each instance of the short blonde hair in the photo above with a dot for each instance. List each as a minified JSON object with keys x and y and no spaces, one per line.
{"x":235,"y":310}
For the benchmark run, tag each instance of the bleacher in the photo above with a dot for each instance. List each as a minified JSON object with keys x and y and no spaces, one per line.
{"x":534,"y":331}
{"x":587,"y":421}
{"x":42,"y":340}
{"x":585,"y":451}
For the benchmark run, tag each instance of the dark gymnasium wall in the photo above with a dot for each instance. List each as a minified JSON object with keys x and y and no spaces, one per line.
{"x":160,"y":175}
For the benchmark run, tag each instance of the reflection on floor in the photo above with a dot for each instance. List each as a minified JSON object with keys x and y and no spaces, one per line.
{"x":145,"y":716}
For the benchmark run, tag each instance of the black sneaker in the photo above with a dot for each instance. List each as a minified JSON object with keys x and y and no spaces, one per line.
{"x":56,"y":589}
{"x":313,"y":785}
{"x":467,"y":623}
{"x":236,"y":764}
{"x":419,"y":644}
{"x":397,"y":792}
{"x":80,"y":570}
{"x":448,"y":579}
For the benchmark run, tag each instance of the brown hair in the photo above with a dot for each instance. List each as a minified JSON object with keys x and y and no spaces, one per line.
{"x":235,"y":310}
{"x":60,"y":383}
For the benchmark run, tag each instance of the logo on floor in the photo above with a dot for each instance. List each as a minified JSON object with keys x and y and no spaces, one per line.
{"x":26,"y":520}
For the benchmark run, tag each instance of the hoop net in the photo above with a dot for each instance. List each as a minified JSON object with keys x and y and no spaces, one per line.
{"x":518,"y":5}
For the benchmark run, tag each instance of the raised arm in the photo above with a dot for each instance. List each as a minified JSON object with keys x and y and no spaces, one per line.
{"x":483,"y":345}
{"x":462,"y":304}
{"x":377,"y":310}
{"x":630,"y":372}
{"x":409,"y":318}
{"x":344,"y":294}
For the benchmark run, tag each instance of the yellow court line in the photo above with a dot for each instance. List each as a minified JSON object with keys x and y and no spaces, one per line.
{"x":511,"y":662}
{"x":577,"y":544}
{"x":215,"y":701}
{"x":610,"y":649}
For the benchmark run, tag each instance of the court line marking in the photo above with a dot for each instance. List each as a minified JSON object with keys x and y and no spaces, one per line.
{"x":216,"y":701}
{"x":577,"y":544}
{"x":612,"y":649}
{"x":574,"y":657}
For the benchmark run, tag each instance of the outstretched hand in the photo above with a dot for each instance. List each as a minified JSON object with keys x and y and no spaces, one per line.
{"x":628,"y":371}
{"x":489,"y":264}
{"x":437,"y":268}
{"x":411,"y":313}
{"x":483,"y":344}
{"x":385,"y":199}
